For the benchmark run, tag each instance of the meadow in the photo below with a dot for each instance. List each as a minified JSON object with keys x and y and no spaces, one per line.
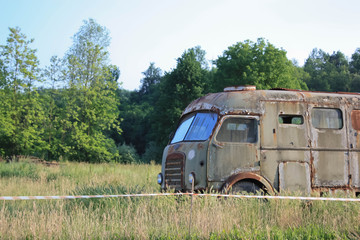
{"x":152,"y":217}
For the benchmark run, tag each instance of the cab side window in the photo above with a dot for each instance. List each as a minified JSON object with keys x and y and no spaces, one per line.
{"x":242,"y":130}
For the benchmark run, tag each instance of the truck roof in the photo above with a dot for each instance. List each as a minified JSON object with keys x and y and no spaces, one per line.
{"x":249,"y":101}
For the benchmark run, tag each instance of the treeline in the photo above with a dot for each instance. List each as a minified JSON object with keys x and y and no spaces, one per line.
{"x":74,"y":109}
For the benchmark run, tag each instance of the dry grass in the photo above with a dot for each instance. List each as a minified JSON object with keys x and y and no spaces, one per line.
{"x":157,"y":217}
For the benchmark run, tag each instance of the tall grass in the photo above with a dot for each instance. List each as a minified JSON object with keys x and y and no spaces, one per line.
{"x":153,"y":217}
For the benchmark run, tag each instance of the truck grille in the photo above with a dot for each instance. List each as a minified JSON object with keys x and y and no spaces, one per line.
{"x":174,"y":171}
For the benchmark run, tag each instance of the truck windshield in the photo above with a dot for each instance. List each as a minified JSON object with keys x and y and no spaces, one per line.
{"x":196,"y":127}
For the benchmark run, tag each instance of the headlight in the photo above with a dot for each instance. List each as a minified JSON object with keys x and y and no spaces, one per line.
{"x":159,"y":178}
{"x":192,"y":178}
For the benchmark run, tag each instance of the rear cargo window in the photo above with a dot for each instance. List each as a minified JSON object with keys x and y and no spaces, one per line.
{"x":291,"y":119}
{"x":326,"y":118}
{"x":238,"y":130}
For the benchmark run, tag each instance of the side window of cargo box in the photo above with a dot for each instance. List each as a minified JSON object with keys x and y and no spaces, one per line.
{"x":291,"y":119}
{"x":326,"y":118}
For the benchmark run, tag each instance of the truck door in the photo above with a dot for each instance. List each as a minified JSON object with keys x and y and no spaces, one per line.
{"x":329,"y":146}
{"x":285,"y":147}
{"x":354,"y":141}
{"x":234,"y":147}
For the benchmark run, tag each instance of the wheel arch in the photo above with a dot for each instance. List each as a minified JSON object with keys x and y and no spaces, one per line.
{"x":248,"y":176}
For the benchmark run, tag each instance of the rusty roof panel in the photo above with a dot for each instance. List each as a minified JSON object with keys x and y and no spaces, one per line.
{"x":248,"y":101}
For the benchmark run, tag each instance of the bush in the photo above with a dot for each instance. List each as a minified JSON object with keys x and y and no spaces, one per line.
{"x":127,"y":154}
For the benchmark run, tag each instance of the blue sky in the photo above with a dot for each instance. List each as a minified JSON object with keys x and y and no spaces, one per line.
{"x":160,"y":30}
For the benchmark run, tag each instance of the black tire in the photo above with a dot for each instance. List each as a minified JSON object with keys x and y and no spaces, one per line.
{"x":246,"y":187}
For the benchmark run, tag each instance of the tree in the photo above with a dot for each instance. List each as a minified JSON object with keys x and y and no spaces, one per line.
{"x":152,"y":77}
{"x":354,"y":68}
{"x":176,"y":90}
{"x":260,"y":64}
{"x":2,"y":75}
{"x":327,"y":72}
{"x":54,"y":105}
{"x":136,"y":110}
{"x":22,"y":114}
{"x":92,"y":107}
{"x":355,"y":62}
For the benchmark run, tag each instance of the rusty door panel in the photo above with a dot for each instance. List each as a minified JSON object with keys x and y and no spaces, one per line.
{"x":229,"y":158}
{"x":274,"y":134}
{"x":354,"y":144}
{"x":268,"y":126}
{"x":294,"y":176}
{"x":292,"y":135}
{"x":270,"y":160}
{"x":355,"y":169}
{"x":330,"y":151}
{"x":330,"y":169}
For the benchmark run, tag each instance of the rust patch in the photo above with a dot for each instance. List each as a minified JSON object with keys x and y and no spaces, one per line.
{"x":274,"y":136}
{"x":355,"y":119}
{"x":175,"y":155}
{"x":312,"y":170}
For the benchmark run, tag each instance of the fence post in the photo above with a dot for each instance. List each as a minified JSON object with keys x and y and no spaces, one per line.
{"x":191,"y":206}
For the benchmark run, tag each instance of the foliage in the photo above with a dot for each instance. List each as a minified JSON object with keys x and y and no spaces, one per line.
{"x":260,"y":64}
{"x":91,"y":103}
{"x":21,"y":113}
{"x":128,"y":154}
{"x":327,"y":72}
{"x":177,"y":89}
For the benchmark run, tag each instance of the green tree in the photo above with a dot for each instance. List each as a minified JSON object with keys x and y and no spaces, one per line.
{"x":54,"y":105}
{"x":355,"y":62}
{"x":91,"y":103}
{"x":176,"y":90}
{"x":327,"y":72}
{"x":21,"y":111}
{"x":260,"y":64}
{"x":354,"y":68}
{"x":136,"y":109}
{"x":2,"y":75}
{"x":152,"y":77}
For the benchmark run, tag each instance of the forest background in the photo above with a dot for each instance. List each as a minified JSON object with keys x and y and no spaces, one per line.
{"x":76,"y":110}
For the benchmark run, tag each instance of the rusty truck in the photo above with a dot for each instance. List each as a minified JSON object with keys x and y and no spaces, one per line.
{"x":271,"y":141}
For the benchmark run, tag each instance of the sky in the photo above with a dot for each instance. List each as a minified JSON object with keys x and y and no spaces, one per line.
{"x":160,"y":31}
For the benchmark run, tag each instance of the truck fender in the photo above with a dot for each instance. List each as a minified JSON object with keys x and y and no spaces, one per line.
{"x":261,"y":181}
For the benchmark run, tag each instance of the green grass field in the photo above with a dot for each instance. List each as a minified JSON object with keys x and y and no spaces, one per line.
{"x":152,"y":217}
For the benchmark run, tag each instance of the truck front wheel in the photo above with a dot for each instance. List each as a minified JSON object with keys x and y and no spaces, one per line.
{"x":246,"y":187}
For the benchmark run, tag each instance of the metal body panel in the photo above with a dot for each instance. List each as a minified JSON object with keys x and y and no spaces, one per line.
{"x":295,"y":176}
{"x":194,"y":161}
{"x":229,"y":158}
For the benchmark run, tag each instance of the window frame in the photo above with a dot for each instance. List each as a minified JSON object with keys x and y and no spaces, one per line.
{"x":327,"y":108}
{"x":291,"y":115}
{"x":255,"y":118}
{"x":193,"y":115}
